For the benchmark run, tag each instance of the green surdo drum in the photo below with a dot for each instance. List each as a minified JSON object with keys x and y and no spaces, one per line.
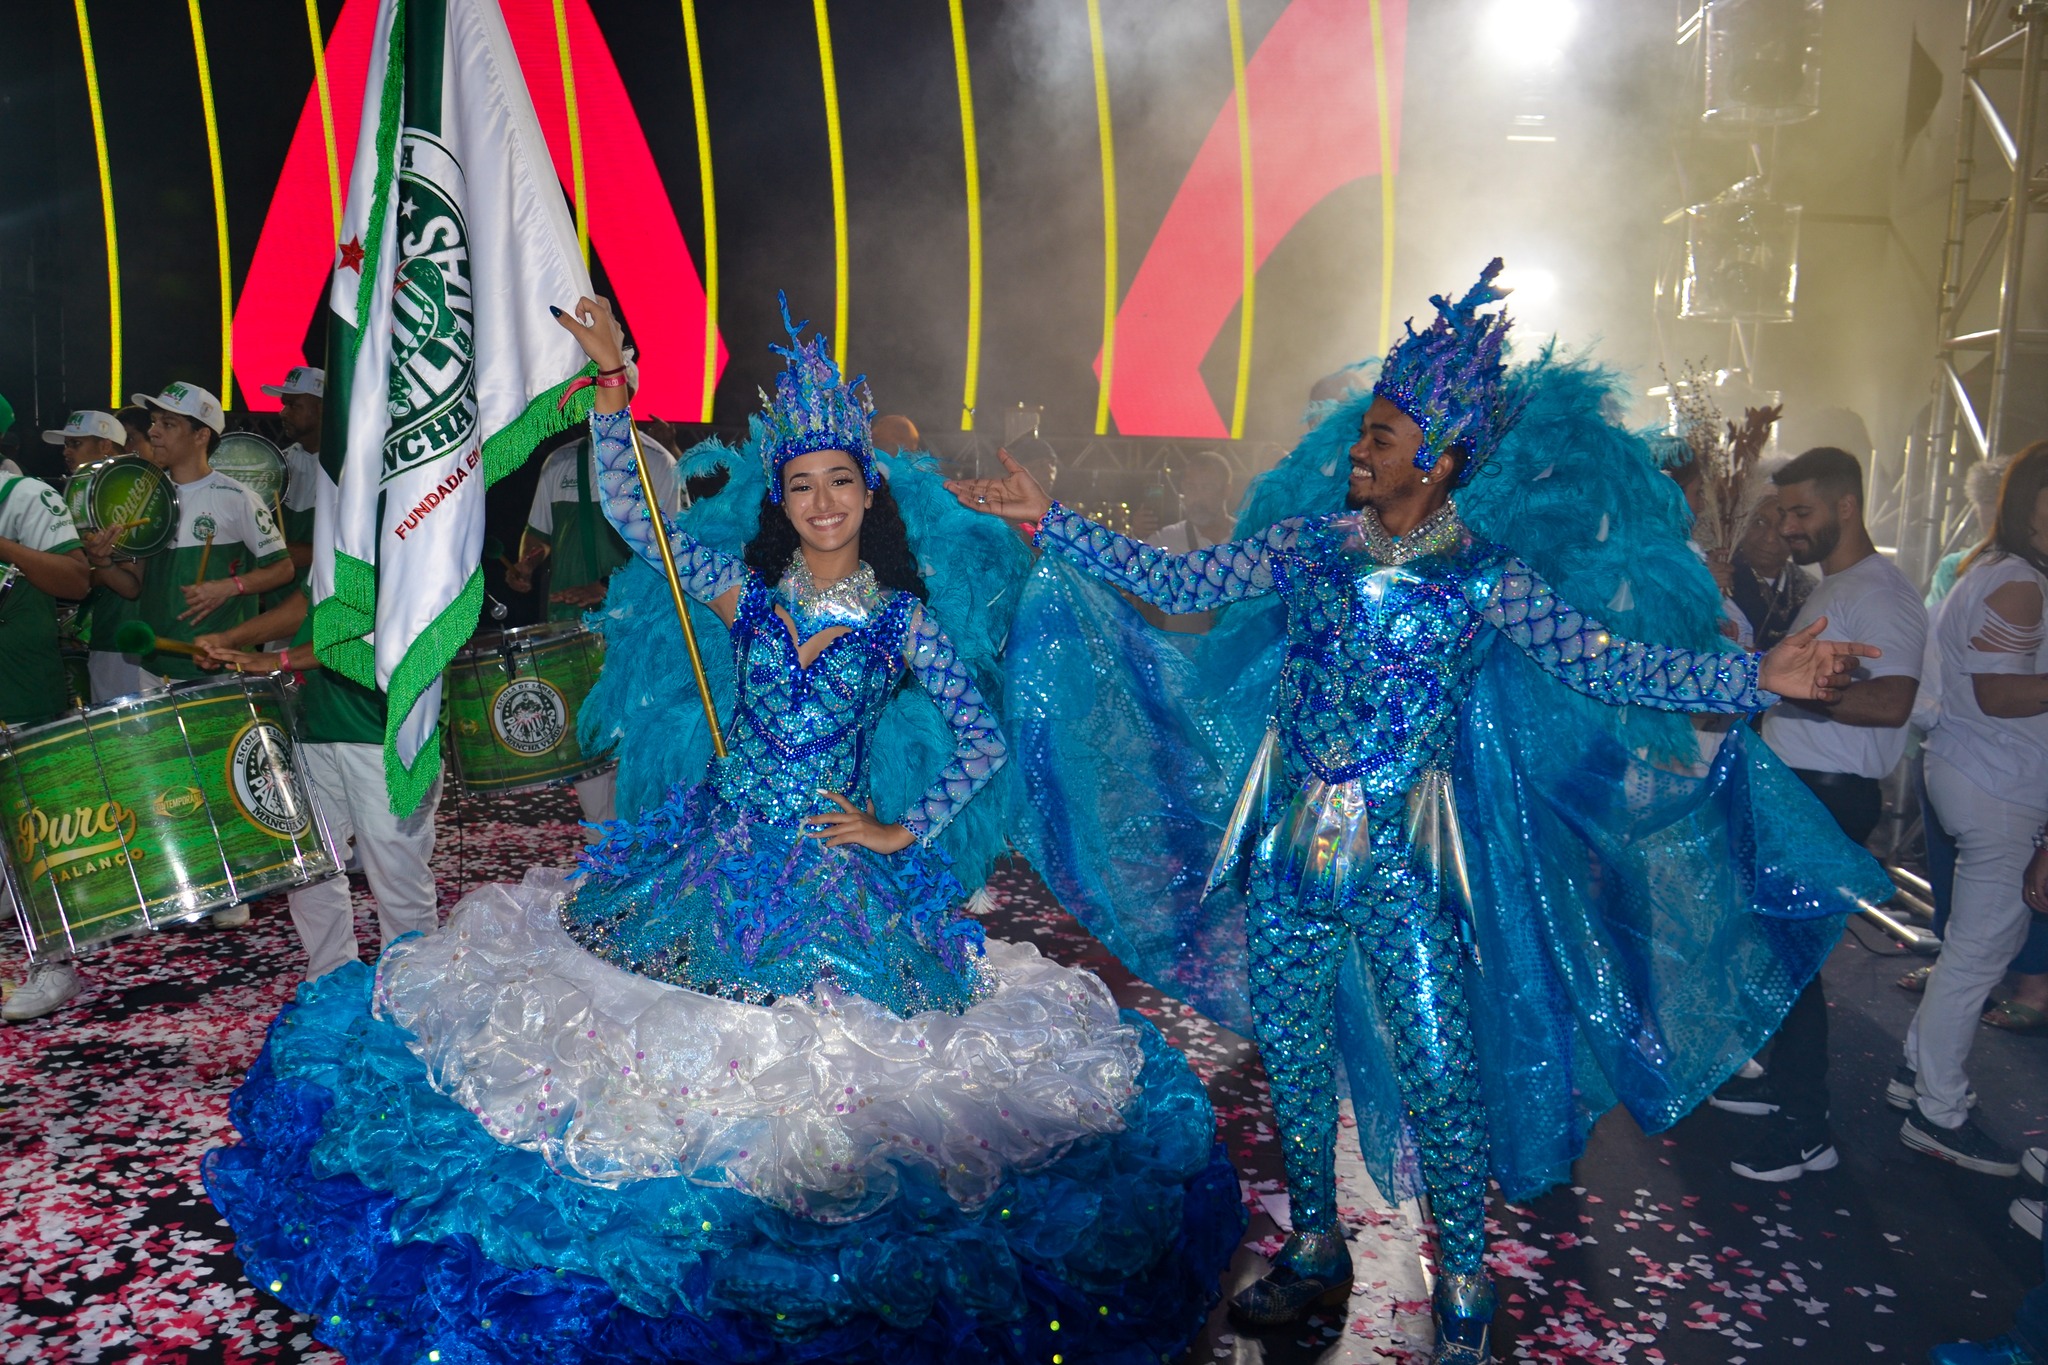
{"x":129,"y":492}
{"x":153,"y":808}
{"x":513,"y":697}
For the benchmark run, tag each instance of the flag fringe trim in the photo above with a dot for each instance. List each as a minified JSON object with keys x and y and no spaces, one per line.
{"x":390,"y":108}
{"x":509,"y":447}
{"x":434,"y":648}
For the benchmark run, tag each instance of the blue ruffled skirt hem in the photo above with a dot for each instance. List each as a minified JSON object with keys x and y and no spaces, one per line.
{"x":363,"y":1198}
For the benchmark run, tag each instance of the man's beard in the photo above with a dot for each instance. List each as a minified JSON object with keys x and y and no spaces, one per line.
{"x":1822,"y":544}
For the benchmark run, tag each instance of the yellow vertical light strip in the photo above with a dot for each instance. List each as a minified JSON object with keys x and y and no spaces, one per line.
{"x":575,"y":132}
{"x":1107,"y":137}
{"x":326,"y":109}
{"x":963,"y":79}
{"x":99,"y":146}
{"x":1251,"y":241}
{"x":707,"y":193}
{"x":839,"y":271}
{"x":1386,"y":115}
{"x":220,"y":210}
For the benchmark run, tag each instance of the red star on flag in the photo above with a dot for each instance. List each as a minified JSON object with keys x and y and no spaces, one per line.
{"x":352,"y":255}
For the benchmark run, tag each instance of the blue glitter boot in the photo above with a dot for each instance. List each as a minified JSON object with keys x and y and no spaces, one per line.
{"x":1464,"y":1319}
{"x":1312,"y":1271}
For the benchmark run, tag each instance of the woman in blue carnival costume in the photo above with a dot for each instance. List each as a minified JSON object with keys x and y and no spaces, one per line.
{"x":751,"y":1087}
{"x":1491,"y":987}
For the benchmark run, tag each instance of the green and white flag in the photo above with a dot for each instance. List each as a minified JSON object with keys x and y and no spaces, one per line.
{"x":444,"y":365}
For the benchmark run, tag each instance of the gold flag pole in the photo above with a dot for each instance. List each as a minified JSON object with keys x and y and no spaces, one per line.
{"x":675,"y":588}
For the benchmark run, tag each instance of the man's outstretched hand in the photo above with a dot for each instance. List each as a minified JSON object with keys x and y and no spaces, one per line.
{"x":1808,"y":668}
{"x":1015,"y":497}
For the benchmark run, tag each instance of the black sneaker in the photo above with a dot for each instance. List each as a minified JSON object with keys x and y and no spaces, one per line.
{"x":1745,"y":1095}
{"x":1969,"y":1146}
{"x":1899,"y":1092}
{"x":1786,"y":1154}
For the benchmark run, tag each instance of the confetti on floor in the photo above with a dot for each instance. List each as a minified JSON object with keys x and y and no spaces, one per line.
{"x":109,"y":1251}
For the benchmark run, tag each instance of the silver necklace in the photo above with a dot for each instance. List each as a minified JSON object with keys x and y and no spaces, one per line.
{"x":1439,"y":531}
{"x":850,"y":602}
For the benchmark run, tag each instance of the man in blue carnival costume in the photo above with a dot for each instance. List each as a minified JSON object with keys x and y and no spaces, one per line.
{"x":1592,"y":889}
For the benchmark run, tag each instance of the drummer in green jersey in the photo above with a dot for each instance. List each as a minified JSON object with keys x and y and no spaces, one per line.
{"x":88,"y":437}
{"x":342,"y":738}
{"x":40,"y":560}
{"x":566,"y":529}
{"x":302,"y":398}
{"x":228,"y":550}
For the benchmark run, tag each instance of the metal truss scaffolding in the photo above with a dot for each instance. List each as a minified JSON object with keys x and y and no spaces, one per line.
{"x":1990,"y":202}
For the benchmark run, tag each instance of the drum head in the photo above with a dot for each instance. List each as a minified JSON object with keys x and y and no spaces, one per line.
{"x":131,"y":493}
{"x":252,"y":462}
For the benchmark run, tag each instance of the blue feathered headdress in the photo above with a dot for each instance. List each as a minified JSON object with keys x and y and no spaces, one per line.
{"x":1452,"y":380}
{"x":812,"y":410}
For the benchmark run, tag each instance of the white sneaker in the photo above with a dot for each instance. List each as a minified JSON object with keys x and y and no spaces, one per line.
{"x":49,"y":985}
{"x":234,"y":917}
{"x":2026,"y":1216}
{"x":2034,"y":1164}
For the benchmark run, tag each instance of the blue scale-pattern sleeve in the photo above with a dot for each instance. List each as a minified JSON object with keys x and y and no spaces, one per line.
{"x":1584,"y":655}
{"x":978,"y":745}
{"x":1201,"y":581}
{"x":705,"y":573}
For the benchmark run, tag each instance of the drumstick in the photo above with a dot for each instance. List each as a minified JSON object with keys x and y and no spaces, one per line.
{"x":205,"y":553}
{"x":135,"y":637}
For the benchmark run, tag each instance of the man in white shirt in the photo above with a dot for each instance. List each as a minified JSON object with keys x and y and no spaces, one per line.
{"x":1841,"y":750}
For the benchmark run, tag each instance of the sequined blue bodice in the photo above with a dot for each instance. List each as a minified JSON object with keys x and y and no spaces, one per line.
{"x":1377,"y":656}
{"x":797,"y":732}
{"x":1384,"y":636}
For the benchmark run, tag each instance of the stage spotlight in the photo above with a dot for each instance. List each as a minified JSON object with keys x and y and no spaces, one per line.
{"x":1533,"y":287}
{"x":1530,"y":32}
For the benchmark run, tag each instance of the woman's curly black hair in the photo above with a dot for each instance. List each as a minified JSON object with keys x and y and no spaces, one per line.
{"x":884,"y":544}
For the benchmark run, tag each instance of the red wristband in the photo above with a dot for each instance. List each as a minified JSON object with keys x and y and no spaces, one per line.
{"x":236,"y":579}
{"x":615,"y":380}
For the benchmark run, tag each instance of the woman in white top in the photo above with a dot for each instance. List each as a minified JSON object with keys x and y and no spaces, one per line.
{"x":1987,"y":772}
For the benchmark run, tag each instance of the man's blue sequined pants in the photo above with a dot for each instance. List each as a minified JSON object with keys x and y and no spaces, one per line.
{"x":1414,"y":959}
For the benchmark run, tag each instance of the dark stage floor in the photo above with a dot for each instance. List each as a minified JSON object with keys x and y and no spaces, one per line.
{"x":109,"y":1251}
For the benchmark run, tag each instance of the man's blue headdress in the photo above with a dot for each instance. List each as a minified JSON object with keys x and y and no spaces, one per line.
{"x":1451,"y":380}
{"x":812,"y":410}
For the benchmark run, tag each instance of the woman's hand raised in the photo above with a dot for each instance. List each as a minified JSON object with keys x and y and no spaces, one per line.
{"x":1015,"y":497}
{"x":598,"y":332}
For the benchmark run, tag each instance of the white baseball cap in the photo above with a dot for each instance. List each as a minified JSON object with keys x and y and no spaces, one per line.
{"x":300,"y":379}
{"x":104,"y":425}
{"x":188,"y":400}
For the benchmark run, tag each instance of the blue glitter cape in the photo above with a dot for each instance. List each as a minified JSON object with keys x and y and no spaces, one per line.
{"x":974,"y":569}
{"x":1640,"y":931}
{"x":385,"y":1213}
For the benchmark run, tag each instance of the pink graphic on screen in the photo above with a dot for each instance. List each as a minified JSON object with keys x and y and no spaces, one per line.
{"x":1314,"y":129}
{"x":632,"y":225}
